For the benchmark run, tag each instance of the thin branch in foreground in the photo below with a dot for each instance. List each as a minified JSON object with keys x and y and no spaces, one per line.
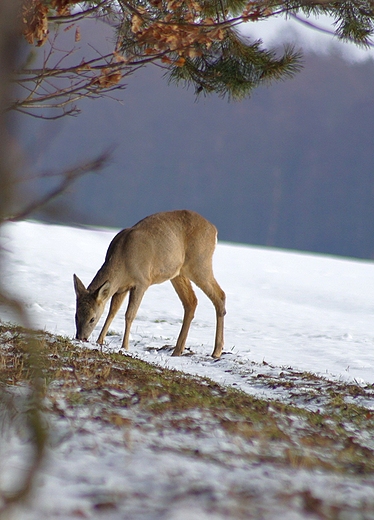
{"x":71,"y":112}
{"x":32,"y":416}
{"x":68,"y":178}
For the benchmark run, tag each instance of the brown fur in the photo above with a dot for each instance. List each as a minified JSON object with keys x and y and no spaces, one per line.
{"x":176,"y":246}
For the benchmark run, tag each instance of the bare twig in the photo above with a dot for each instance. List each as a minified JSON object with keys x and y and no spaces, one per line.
{"x":319,"y":28}
{"x":68,"y":178}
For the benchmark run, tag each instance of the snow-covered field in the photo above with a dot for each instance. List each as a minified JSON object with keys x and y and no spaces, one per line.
{"x":314,"y":313}
{"x":284,"y":309}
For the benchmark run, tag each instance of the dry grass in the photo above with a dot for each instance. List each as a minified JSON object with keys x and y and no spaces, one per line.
{"x":122,"y":391}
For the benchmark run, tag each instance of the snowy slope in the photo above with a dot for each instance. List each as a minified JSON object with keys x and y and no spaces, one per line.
{"x":288,"y":309}
{"x":313,"y":313}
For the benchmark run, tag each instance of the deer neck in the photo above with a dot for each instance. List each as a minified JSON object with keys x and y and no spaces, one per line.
{"x":105,"y":274}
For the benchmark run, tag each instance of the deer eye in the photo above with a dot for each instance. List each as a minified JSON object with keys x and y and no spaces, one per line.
{"x":92,"y":320}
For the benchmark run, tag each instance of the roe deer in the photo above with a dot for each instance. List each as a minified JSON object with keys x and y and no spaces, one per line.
{"x":174,"y":245}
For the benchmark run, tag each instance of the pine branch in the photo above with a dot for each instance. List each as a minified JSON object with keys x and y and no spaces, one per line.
{"x":194,"y":40}
{"x":236,"y":68}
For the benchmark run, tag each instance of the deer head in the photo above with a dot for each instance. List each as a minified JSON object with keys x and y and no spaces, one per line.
{"x":90,"y":306}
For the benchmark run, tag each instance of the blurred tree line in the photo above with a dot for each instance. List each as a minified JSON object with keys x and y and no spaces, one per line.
{"x":291,"y":167}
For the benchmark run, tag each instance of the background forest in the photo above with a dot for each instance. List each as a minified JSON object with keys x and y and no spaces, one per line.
{"x":290,"y":167}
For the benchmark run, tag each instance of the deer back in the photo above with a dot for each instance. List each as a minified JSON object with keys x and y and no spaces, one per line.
{"x":157,"y":249}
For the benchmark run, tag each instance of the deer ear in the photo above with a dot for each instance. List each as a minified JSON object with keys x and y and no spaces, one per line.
{"x":102,"y":293}
{"x":80,"y":289}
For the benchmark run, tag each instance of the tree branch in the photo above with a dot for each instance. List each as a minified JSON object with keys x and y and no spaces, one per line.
{"x":317,"y":27}
{"x":68,"y":178}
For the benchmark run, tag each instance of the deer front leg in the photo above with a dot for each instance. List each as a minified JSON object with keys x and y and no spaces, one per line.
{"x":115,"y":304}
{"x":135,"y":298}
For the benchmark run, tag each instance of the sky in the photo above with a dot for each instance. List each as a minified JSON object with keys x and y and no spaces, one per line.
{"x":280,"y":30}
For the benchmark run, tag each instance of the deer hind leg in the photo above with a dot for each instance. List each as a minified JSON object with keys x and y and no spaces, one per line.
{"x":115,"y":304}
{"x":183,"y":288}
{"x":136,"y":296}
{"x":210,"y":287}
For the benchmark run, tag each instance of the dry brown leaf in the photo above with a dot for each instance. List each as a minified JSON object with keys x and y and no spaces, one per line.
{"x":69,"y":27}
{"x":84,"y":66}
{"x":63,"y":6}
{"x":194,"y":53}
{"x":180,"y":61}
{"x":118,"y":57}
{"x":208,"y":21}
{"x":136,"y":23}
{"x":35,"y":22}
{"x":107,"y":79}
